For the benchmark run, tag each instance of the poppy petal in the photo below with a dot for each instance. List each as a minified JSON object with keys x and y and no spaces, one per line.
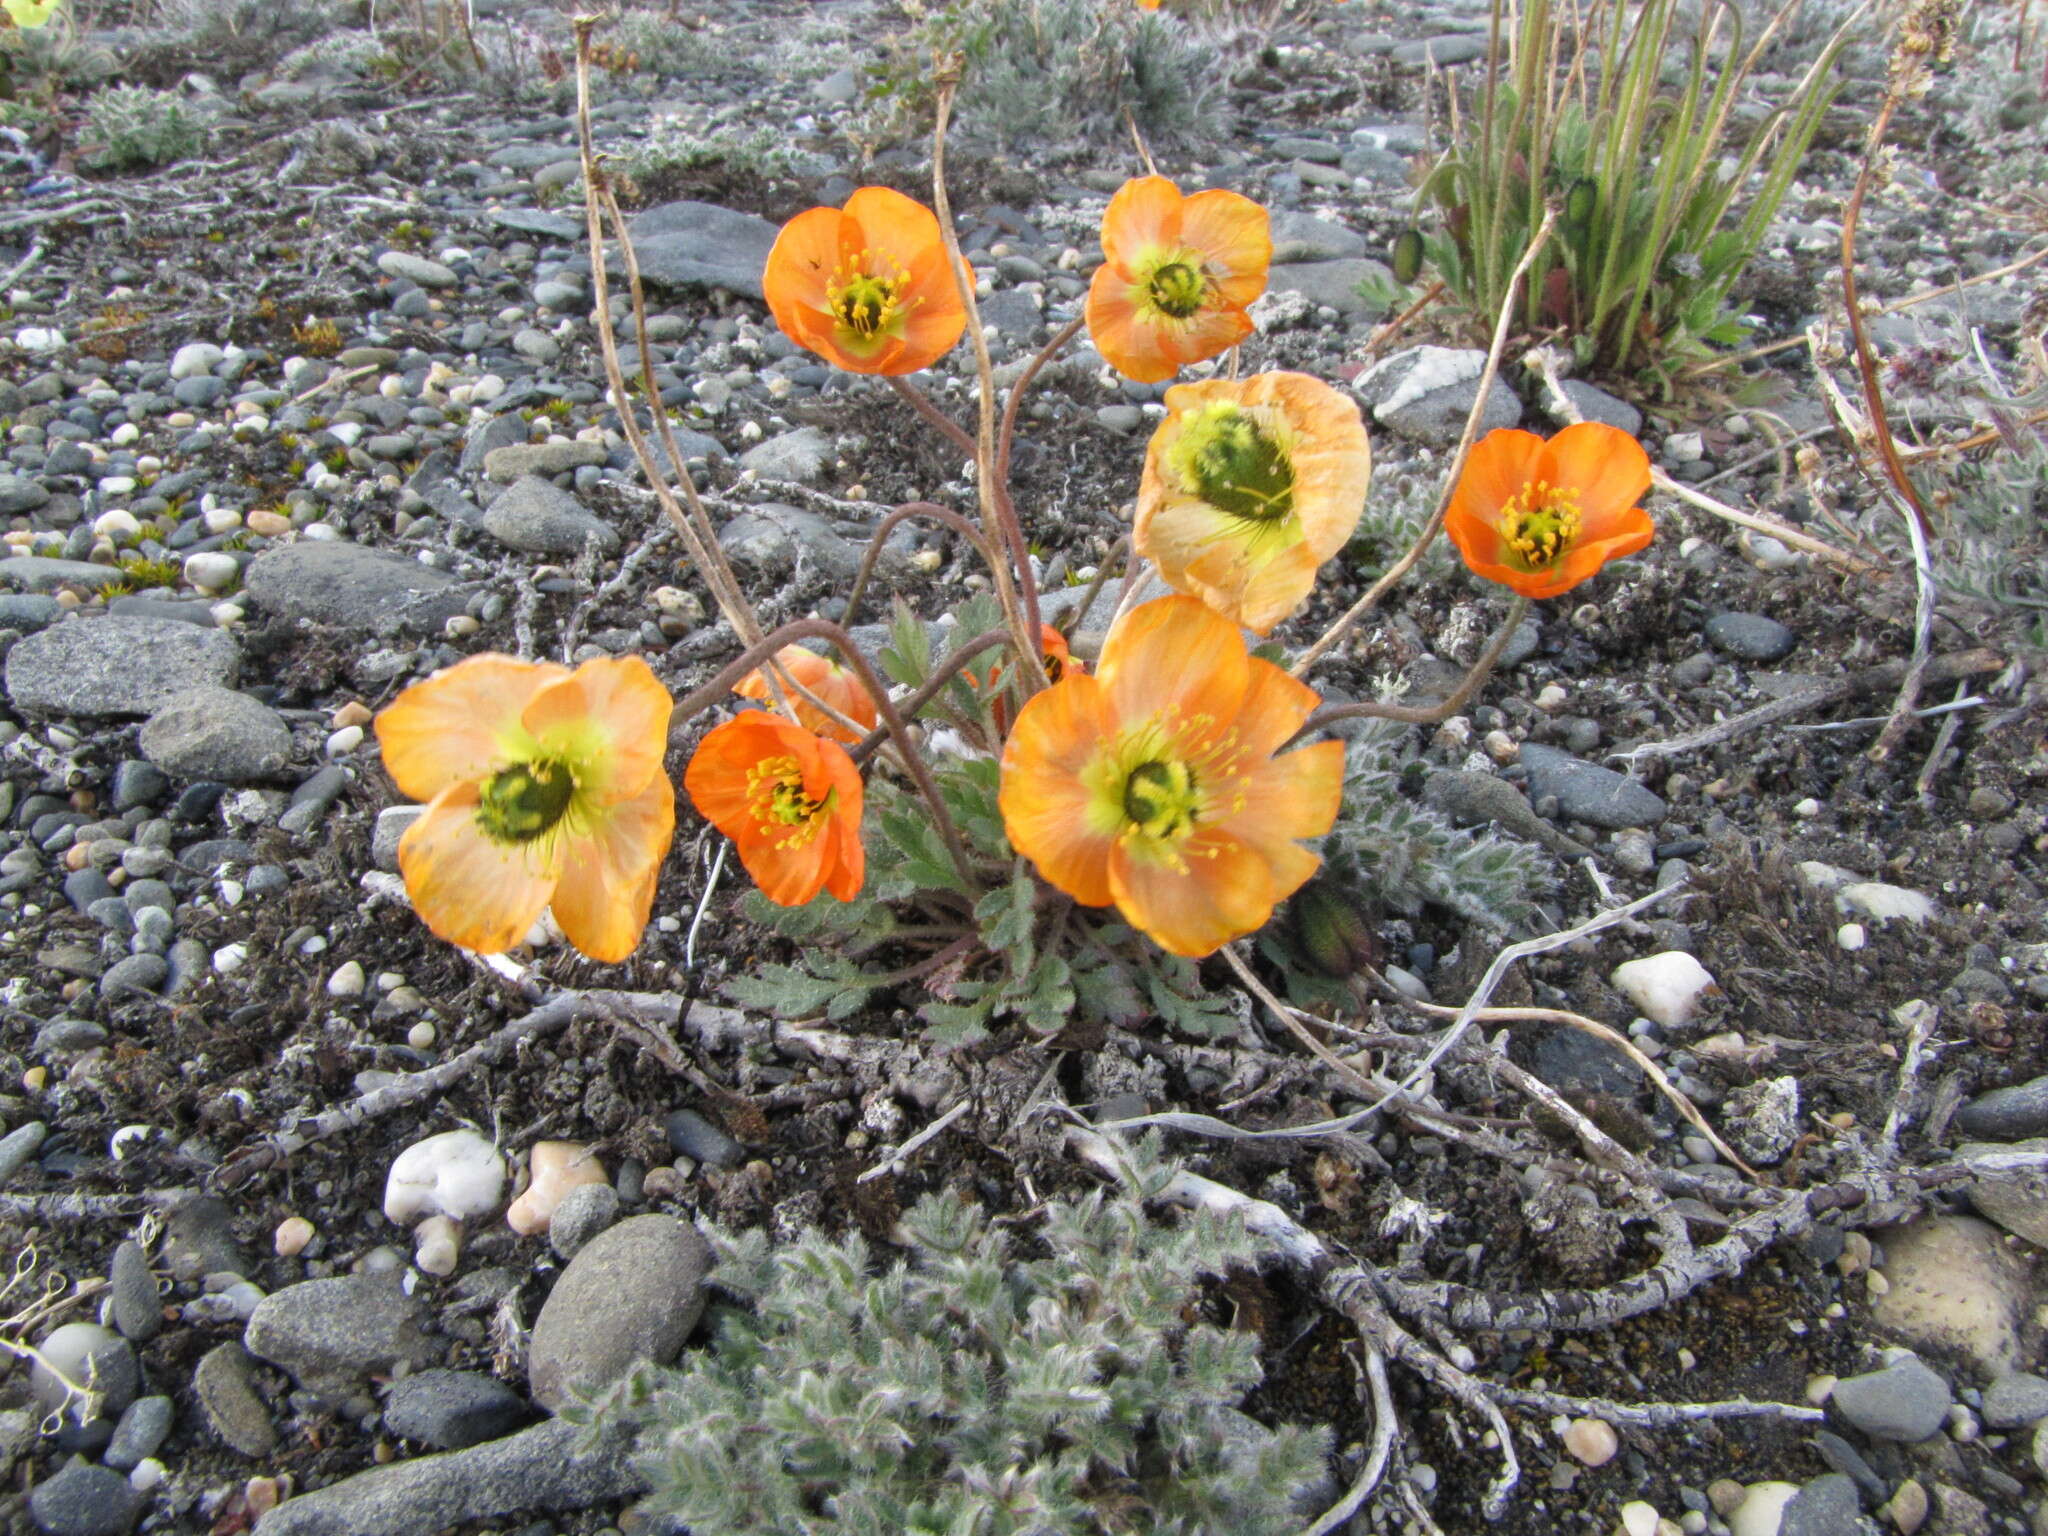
{"x":1608,"y":469}
{"x":460,"y":724}
{"x":467,"y":888}
{"x":606,"y":889}
{"x":1143,"y":216}
{"x":808,"y":250}
{"x":1234,"y":235}
{"x":1220,"y":890}
{"x":1174,"y":656}
{"x":1133,"y":348}
{"x":1051,"y":802}
{"x":609,"y":719}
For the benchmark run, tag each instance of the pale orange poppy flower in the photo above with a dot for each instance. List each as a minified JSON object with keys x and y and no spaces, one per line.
{"x":1178,"y":274}
{"x":1153,"y":785}
{"x":1540,"y":517}
{"x":789,"y":800}
{"x":867,"y":286}
{"x":836,"y":685}
{"x":1248,"y":487}
{"x":544,"y":788}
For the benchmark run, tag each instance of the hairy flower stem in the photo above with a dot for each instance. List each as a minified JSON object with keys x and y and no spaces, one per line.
{"x":1008,"y":432}
{"x":1433,"y":714}
{"x":914,"y":764}
{"x":887,"y":526}
{"x":1019,"y":597}
{"x":935,"y":418}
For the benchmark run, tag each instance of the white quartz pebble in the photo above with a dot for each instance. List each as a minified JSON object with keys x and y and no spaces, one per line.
{"x":1667,"y":987}
{"x":458,"y":1174}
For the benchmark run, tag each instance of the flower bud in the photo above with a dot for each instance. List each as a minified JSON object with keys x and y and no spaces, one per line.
{"x":1580,"y":202}
{"x":1407,"y":255}
{"x":1331,"y":931}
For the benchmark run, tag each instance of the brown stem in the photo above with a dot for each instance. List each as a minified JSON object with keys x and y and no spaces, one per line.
{"x":921,"y":403}
{"x":1435,"y":714}
{"x":892,"y":722}
{"x":950,"y":668}
{"x":887,"y":525}
{"x":1008,"y":431}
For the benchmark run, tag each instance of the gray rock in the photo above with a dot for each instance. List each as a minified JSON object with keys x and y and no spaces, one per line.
{"x":541,"y":518}
{"x":1334,"y":283}
{"x":506,"y":431}
{"x":329,"y":1334}
{"x":137,"y":975}
{"x":2014,"y":1400}
{"x":768,"y":539}
{"x":43,"y":573}
{"x":507,"y":464}
{"x":1905,"y":1401}
{"x":2007,"y":1114}
{"x":199,"y":1241}
{"x":1015,"y":315}
{"x":131,"y":1294}
{"x":330,"y":582}
{"x":116,"y":666}
{"x":1590,"y":404}
{"x":84,"y":1500}
{"x":18,"y":1146}
{"x":234,"y":1409}
{"x":89,"y":1356}
{"x":1750,"y":636}
{"x":1441,"y":52}
{"x":453,"y":1409}
{"x":2017,"y":1201}
{"x":1426,"y":393}
{"x":701,"y":245}
{"x":392,"y":823}
{"x":534,"y":221}
{"x":584,"y":1212}
{"x":545,"y":1467}
{"x":1827,"y":1506}
{"x":536,"y":345}
{"x":839,"y":87}
{"x":800,"y":455}
{"x":1844,"y":1458}
{"x":28,"y":611}
{"x":1303,"y":237}
{"x":142,"y":1429}
{"x":633,"y":1293}
{"x":691,"y":1135}
{"x":18,"y":494}
{"x":217,"y":733}
{"x":1586,"y":792}
{"x":423,"y":270}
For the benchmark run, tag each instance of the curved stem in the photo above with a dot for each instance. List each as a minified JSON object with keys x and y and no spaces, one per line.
{"x":887,"y":525}
{"x":1434,"y":714}
{"x":1008,"y":431}
{"x":892,"y":722}
{"x":921,"y":403}
{"x":914,"y":704}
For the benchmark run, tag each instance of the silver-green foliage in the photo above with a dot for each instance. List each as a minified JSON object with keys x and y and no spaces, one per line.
{"x":1403,"y":854}
{"x":132,"y":126}
{"x":1052,"y":72}
{"x":989,"y":1385}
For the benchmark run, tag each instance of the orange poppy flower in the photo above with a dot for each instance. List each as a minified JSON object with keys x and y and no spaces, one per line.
{"x":1179,"y":273}
{"x":836,"y":685}
{"x":867,"y":286}
{"x":790,"y":801}
{"x":1541,"y":517}
{"x":1248,"y":487}
{"x":544,"y":787}
{"x":1154,"y":784}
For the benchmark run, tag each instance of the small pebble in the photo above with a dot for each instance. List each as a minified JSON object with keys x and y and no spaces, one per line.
{"x":1592,"y":1441}
{"x":291,"y":1237}
{"x":347,"y":980}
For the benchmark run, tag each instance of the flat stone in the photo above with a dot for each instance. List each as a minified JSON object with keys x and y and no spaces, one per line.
{"x":449,"y":1410}
{"x":143,"y":1428}
{"x":800,"y":455}
{"x":84,"y":1500}
{"x":1591,"y":404}
{"x":217,"y":733}
{"x":1333,"y":283}
{"x":541,"y":518}
{"x":1586,"y":792}
{"x":691,"y":1135}
{"x":509,"y":463}
{"x":45,"y":573}
{"x":331,"y":1333}
{"x":226,"y":1389}
{"x":18,"y":1146}
{"x":701,"y":245}
{"x":549,"y":1466}
{"x":1906,"y":1402}
{"x":199,"y":1240}
{"x":1441,"y":52}
{"x":770,"y":538}
{"x":132,"y":1295}
{"x":113,"y":666}
{"x":583,"y":1212}
{"x":534,"y":221}
{"x":19,"y":494}
{"x":330,"y":582}
{"x":2007,"y":1114}
{"x":423,"y":270}
{"x":1955,"y":1286}
{"x":1426,"y":393}
{"x":89,"y":1356}
{"x":632,"y":1294}
{"x":1827,"y":1506}
{"x":28,"y":611}
{"x":1751,"y":636}
{"x":2015,"y":1400}
{"x":2018,"y":1202}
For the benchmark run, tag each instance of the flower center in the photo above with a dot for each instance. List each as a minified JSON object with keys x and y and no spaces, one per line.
{"x":525,"y":801}
{"x":1540,"y":523}
{"x":775,"y":790}
{"x":864,"y":302}
{"x":1228,"y":459}
{"x":1160,"y":799}
{"x":1177,"y":289}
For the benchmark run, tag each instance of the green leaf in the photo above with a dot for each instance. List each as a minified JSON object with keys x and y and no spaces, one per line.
{"x":907,"y":658}
{"x":926,"y":864}
{"x":1006,"y":915}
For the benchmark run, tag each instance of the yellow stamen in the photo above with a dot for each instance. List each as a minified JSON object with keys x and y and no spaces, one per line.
{"x":525,"y":801}
{"x":1540,"y":524}
{"x":1176,"y":287}
{"x":867,"y":300}
{"x":1174,"y":773}
{"x":775,"y":791}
